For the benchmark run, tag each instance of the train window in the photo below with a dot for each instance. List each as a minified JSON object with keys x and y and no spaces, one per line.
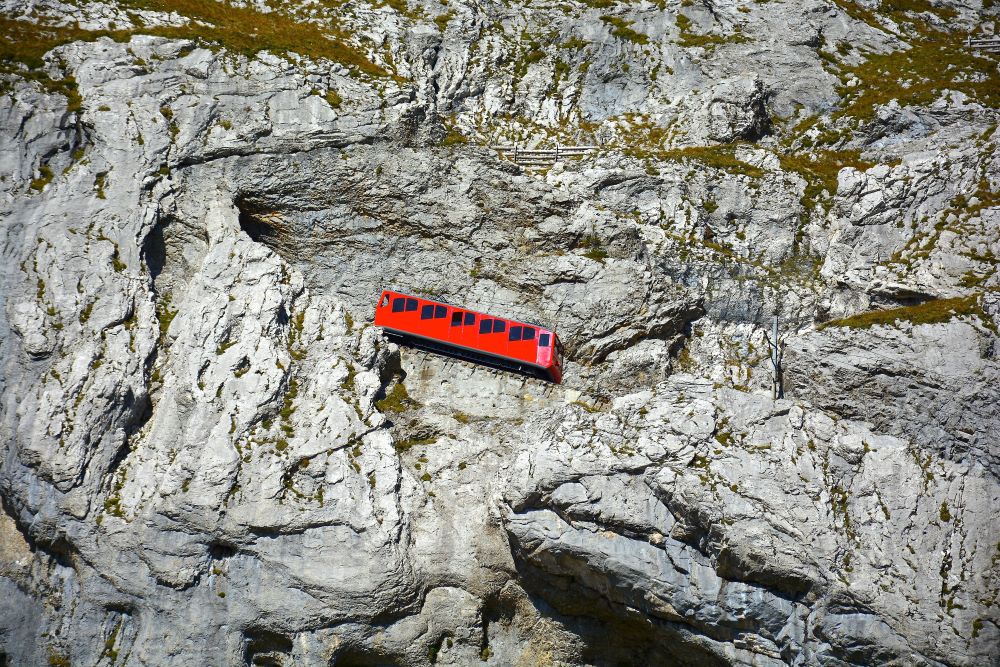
{"x":499,"y":326}
{"x":439,"y":312}
{"x":529,"y":334}
{"x":411,"y":305}
{"x":398,"y":305}
{"x":543,"y":340}
{"x":426,"y":312}
{"x":469,"y":319}
{"x":385,"y":301}
{"x":485,"y":326}
{"x":456,"y":318}
{"x":515,"y":333}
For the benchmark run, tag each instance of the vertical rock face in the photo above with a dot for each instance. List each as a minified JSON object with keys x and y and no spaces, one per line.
{"x":209,"y":455}
{"x":736,"y":109}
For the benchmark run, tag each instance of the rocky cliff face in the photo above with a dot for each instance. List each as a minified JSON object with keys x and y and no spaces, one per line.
{"x":209,"y":455}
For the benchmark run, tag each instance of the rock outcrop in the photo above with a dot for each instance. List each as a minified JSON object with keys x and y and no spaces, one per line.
{"x":209,"y":456}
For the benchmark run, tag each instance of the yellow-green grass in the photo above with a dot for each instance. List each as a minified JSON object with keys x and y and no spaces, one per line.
{"x":900,"y":11}
{"x":820,"y":170}
{"x":237,"y":29}
{"x":930,"y":312}
{"x":622,"y":28}
{"x":689,"y":38}
{"x":718,"y":157}
{"x":454,"y":138}
{"x":397,"y":400}
{"x":937,"y":61}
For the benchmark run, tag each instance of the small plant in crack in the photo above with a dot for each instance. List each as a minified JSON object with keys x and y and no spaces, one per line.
{"x":594,"y":248}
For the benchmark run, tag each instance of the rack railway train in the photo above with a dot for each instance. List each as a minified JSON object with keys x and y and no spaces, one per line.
{"x":493,"y":341}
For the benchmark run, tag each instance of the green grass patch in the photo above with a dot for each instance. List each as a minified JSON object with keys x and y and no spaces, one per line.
{"x":594,"y":248}
{"x":44,"y":178}
{"x":57,"y":659}
{"x":288,"y":404}
{"x":164,"y":316}
{"x":574,"y":43}
{"x":689,"y":38}
{"x":454,"y":138}
{"x":399,"y":6}
{"x":116,"y":262}
{"x":622,"y":29}
{"x":347,"y":384}
{"x":931,"y":312}
{"x":27,"y":41}
{"x":295,"y":349}
{"x":936,"y":61}
{"x":286,"y":412}
{"x":560,"y":70}
{"x":100,"y":180}
{"x":900,"y":11}
{"x":397,"y":400}
{"x":820,"y":170}
{"x":238,"y":29}
{"x":533,"y":55}
{"x":409,"y":443}
{"x":248,"y":31}
{"x":442,"y":20}
{"x":718,"y":157}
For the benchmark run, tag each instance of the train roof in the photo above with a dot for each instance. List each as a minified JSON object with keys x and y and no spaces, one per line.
{"x":470,"y":310}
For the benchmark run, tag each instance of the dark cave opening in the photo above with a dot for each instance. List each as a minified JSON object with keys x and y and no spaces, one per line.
{"x":257,"y":222}
{"x":265,"y":647}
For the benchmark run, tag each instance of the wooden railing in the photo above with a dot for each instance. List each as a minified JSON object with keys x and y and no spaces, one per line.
{"x":538,"y":157}
{"x":983,"y":43}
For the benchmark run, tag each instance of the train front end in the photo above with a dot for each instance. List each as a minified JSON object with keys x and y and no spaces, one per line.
{"x":549,"y":355}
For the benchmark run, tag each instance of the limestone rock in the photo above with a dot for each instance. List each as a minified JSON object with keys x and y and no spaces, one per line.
{"x":735,"y":109}
{"x":209,"y":456}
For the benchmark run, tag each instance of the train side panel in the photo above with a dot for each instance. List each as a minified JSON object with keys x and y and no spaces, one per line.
{"x":507,"y":340}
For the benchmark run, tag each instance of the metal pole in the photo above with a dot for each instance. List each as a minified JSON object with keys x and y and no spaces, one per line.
{"x":774,"y":358}
{"x":777,"y":391}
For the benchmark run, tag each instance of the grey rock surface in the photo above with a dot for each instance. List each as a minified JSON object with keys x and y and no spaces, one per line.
{"x":208,"y":455}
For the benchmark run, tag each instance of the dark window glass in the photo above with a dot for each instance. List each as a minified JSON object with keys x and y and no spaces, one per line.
{"x":543,"y":340}
{"x":469,"y":319}
{"x":529,"y":334}
{"x":439,"y":312}
{"x":411,"y":305}
{"x":515,"y":333}
{"x":426,"y":312}
{"x":398,"y":305}
{"x":485,"y":326}
{"x":499,"y":326}
{"x":456,"y":318}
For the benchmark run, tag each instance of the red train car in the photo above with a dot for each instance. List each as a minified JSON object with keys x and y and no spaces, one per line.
{"x":478,"y":337}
